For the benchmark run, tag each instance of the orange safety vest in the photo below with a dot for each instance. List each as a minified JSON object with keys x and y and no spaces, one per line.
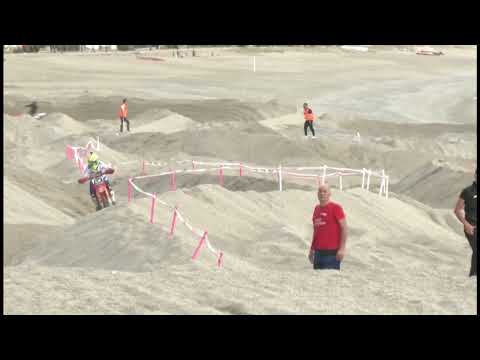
{"x":308,"y":116}
{"x":123,"y":111}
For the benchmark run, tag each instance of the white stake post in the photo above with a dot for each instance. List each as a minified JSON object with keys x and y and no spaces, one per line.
{"x":368,"y":179}
{"x":340,"y":180}
{"x":382,"y":185}
{"x":387,"y":183}
{"x":280,"y":185}
{"x":363,"y":178}
{"x":324,"y":176}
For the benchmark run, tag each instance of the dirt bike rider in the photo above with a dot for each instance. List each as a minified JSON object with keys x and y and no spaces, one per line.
{"x":97,"y":167}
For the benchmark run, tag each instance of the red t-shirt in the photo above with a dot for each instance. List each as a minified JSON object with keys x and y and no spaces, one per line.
{"x":326,"y":221}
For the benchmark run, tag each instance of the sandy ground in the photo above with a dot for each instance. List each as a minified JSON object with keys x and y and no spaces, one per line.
{"x":406,"y":255}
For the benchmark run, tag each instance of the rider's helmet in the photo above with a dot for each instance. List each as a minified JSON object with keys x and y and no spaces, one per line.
{"x":93,"y":161}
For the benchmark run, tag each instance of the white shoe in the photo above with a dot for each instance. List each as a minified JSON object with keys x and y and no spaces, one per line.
{"x":314,"y":137}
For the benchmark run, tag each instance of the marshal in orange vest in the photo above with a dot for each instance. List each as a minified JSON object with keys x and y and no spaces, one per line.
{"x":123,"y":112}
{"x":308,"y":114}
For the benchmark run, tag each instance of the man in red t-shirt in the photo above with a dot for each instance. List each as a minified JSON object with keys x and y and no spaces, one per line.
{"x":329,"y":233}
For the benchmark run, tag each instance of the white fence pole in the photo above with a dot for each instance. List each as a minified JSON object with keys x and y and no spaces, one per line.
{"x":340,"y":180}
{"x":280,"y":179}
{"x":324,"y":174}
{"x":368,"y":179}
{"x":363,"y":178}
{"x":387,"y":183}
{"x":382,"y":185}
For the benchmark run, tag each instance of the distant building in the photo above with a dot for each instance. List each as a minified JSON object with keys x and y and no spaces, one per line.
{"x":11,"y":48}
{"x":101,"y":47}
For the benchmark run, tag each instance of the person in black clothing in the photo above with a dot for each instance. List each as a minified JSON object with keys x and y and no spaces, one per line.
{"x":33,"y":108}
{"x":466,"y":212}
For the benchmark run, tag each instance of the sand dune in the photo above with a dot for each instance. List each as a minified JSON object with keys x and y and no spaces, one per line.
{"x":406,"y":254}
{"x":432,"y":184}
{"x":21,"y":207}
{"x":167,"y":125}
{"x":121,"y":240}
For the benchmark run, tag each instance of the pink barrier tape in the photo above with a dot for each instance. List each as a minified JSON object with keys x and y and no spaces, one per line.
{"x":262,"y":170}
{"x":210,"y":247}
{"x":140,"y":190}
{"x":220,"y":176}
{"x":130,"y":189}
{"x":216,"y":164}
{"x":69,"y":152}
{"x":187,"y":225}
{"x":321,"y":168}
{"x":77,"y":154}
{"x":152,"y":176}
{"x":220,"y":259}
{"x":301,"y":175}
{"x":174,"y":221}
{"x":350,"y":174}
{"x":152,"y":208}
{"x":163,"y":204}
{"x":200,"y":244}
{"x":195,"y":171}
{"x":149,"y":163}
{"x":128,"y":162}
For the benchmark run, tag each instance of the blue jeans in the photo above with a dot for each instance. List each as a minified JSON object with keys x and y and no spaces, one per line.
{"x":324,"y":261}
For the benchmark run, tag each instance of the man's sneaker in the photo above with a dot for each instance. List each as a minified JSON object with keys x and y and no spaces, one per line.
{"x":314,"y":137}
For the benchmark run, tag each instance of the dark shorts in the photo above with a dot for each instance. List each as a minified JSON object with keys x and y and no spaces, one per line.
{"x":325,"y":260}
